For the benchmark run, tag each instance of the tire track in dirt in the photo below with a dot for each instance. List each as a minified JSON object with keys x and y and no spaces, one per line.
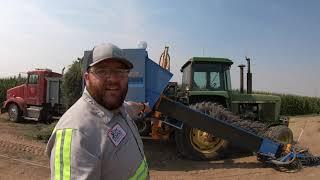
{"x":14,"y":142}
{"x":16,"y":147}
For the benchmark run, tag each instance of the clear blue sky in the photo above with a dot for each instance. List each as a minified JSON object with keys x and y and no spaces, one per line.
{"x":282,"y":37}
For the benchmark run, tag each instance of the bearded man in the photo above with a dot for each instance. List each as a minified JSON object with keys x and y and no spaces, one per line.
{"x":96,"y":138}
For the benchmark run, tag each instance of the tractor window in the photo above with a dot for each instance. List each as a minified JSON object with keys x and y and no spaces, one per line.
{"x":215,"y":80}
{"x":186,"y":75}
{"x":228,"y":79}
{"x":33,"y":79}
{"x":207,"y":77}
{"x":200,"y":79}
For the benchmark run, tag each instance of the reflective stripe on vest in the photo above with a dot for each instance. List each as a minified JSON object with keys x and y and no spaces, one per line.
{"x":62,"y":156}
{"x":142,"y":171}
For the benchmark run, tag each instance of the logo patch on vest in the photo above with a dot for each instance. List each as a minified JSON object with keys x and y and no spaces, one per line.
{"x":116,"y":134}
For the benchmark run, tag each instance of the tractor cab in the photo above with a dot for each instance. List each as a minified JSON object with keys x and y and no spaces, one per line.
{"x":204,"y":77}
{"x":206,"y":74}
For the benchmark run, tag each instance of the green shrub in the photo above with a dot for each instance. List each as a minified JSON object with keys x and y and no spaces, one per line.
{"x":7,"y":83}
{"x":72,"y":84}
{"x":44,"y":133}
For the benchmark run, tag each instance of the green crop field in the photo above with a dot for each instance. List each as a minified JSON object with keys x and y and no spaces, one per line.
{"x":297,"y":105}
{"x":293,"y":105}
{"x":7,"y":83}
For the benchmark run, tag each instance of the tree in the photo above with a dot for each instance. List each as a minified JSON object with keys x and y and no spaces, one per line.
{"x":72,"y":84}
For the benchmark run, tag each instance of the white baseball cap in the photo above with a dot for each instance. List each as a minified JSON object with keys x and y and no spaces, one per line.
{"x":109,"y":51}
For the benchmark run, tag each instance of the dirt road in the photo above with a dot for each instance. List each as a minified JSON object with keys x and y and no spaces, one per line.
{"x":23,"y":158}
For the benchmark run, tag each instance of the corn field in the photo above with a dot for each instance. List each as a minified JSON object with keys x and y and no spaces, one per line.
{"x":7,"y":83}
{"x":297,"y":105}
{"x":292,"y":105}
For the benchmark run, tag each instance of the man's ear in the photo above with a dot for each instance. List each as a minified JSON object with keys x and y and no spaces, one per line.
{"x":86,"y":77}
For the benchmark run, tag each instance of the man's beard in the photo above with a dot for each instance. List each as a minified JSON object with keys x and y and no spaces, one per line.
{"x":110,"y":102}
{"x":109,"y":99}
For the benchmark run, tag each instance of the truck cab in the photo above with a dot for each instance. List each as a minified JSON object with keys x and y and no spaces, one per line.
{"x":34,"y":99}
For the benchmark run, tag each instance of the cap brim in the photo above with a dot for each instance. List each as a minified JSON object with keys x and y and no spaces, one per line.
{"x":124,"y":61}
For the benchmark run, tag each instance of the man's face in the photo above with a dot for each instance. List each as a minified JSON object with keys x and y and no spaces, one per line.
{"x":107,"y":83}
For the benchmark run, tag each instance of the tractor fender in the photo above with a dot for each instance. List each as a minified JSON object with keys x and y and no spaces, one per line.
{"x":19,"y":101}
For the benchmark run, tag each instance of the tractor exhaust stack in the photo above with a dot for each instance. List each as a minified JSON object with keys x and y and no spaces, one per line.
{"x":241,"y":77}
{"x":249,"y":78}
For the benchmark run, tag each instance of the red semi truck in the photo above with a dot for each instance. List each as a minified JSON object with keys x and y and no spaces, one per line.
{"x":37,"y":99}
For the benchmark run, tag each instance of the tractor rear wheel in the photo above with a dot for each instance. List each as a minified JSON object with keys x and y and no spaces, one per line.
{"x":196,"y":144}
{"x":199,"y":145}
{"x":14,"y":112}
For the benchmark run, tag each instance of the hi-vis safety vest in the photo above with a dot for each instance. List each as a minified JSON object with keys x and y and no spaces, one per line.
{"x":90,"y":142}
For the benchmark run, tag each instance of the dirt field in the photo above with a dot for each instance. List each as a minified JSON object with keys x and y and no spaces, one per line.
{"x":23,"y":158}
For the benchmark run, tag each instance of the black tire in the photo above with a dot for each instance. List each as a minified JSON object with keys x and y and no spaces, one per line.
{"x":144,"y":127}
{"x":280,"y":133}
{"x":45,"y":115}
{"x":187,"y":141}
{"x":14,"y":112}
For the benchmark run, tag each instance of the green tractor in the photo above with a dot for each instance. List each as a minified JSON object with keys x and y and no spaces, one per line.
{"x":206,"y":86}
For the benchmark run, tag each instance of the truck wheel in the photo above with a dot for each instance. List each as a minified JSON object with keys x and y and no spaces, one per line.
{"x":196,"y":144}
{"x":280,"y":133}
{"x":14,"y":112}
{"x":45,"y":115}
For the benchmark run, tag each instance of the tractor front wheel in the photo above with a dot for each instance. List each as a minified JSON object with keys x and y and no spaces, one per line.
{"x":196,"y":144}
